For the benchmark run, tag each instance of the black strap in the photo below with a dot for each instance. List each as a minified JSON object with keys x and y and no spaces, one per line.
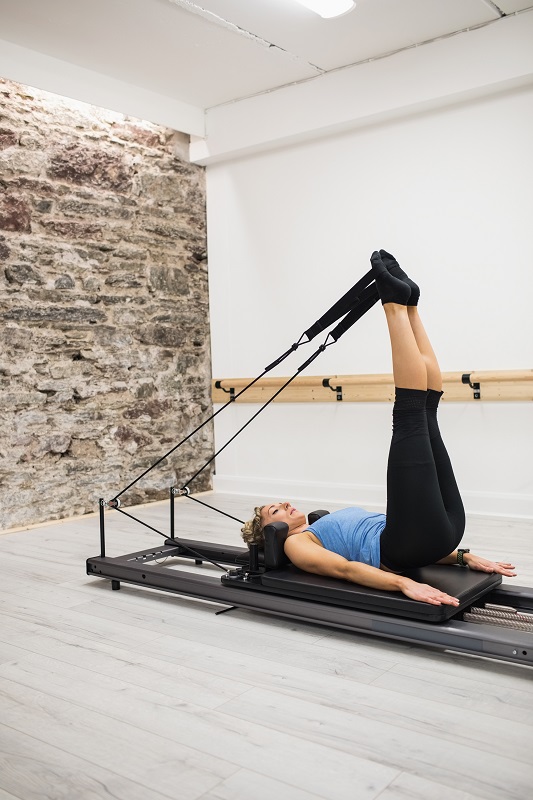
{"x":341,"y":307}
{"x":241,"y":429}
{"x":191,"y":434}
{"x":356,"y":302}
{"x":369,"y":297}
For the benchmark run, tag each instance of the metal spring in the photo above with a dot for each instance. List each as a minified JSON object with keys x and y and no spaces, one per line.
{"x":511,"y":618}
{"x":505,"y":613}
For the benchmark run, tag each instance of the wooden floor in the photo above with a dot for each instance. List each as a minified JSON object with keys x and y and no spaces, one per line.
{"x":138,"y":695}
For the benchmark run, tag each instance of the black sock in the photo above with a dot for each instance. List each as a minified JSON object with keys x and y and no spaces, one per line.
{"x":395,"y":270}
{"x":391,"y":289}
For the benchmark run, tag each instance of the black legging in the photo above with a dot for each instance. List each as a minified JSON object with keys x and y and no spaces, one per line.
{"x":425,"y":514}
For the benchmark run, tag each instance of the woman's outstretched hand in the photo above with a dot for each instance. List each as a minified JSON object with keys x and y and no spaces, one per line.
{"x":484,"y":565}
{"x":426,"y":594}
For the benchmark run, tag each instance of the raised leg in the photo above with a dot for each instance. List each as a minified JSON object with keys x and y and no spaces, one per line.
{"x":449,"y":490}
{"x":419,"y":530}
{"x":408,"y":364}
{"x":434,"y":376}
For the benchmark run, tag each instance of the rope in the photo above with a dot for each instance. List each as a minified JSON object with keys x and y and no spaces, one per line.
{"x":350,"y":300}
{"x":352,"y":306}
{"x":202,"y":503}
{"x":271,"y":400}
{"x":209,"y":419}
{"x":184,"y":546}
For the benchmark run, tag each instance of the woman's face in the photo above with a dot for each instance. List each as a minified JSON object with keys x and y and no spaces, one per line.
{"x":282,"y":512}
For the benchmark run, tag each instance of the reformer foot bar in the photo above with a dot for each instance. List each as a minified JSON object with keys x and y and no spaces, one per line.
{"x":492,"y":620}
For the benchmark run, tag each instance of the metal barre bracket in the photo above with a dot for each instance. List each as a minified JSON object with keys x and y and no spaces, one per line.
{"x":338,"y":389}
{"x":230,"y":391}
{"x":475,"y":386}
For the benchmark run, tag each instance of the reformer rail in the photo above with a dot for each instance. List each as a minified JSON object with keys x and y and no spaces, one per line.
{"x":258,"y":588}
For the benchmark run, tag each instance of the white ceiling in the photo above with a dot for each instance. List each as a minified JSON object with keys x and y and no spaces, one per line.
{"x":209,"y":52}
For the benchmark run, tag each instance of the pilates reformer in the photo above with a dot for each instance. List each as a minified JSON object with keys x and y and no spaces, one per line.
{"x":492,"y":620}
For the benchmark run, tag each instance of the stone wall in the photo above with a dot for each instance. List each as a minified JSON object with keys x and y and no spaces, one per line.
{"x":104,"y":339}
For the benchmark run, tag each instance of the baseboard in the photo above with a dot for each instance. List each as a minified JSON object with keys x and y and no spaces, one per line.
{"x":494,"y":504}
{"x":30,"y":526}
{"x":315,"y":493}
{"x":373,"y":497}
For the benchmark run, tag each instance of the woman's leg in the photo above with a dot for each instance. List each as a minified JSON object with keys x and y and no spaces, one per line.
{"x":408,"y":365}
{"x":419,"y":530}
{"x":448,"y":485}
{"x":434,"y":376}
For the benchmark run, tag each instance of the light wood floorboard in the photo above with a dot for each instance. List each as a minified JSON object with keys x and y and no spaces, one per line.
{"x":139,"y":694}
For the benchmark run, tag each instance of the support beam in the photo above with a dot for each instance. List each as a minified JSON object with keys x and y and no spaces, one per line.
{"x":54,"y":75}
{"x":495,"y":57}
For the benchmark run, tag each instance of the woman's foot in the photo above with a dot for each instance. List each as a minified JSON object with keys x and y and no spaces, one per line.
{"x":395,"y":270}
{"x":391,"y":289}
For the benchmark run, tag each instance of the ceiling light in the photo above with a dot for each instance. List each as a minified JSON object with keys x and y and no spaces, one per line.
{"x":328,"y":8}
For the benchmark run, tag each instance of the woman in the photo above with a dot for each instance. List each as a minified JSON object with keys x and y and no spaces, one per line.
{"x":425,"y":518}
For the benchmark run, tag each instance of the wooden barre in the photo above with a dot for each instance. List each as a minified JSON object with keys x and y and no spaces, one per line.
{"x":500,"y":376}
{"x":458,"y":386}
{"x":311,"y":381}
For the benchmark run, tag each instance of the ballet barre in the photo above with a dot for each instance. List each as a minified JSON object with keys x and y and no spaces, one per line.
{"x":474,"y":385}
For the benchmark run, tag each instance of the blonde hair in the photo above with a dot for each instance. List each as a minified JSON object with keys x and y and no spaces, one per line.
{"x":252,"y":530}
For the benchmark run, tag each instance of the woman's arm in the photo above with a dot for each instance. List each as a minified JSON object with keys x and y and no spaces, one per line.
{"x":311,"y":557}
{"x":481,"y":564}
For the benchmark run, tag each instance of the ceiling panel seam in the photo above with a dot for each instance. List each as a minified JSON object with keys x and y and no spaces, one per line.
{"x":495,"y":7}
{"x":367,"y":60}
{"x":215,"y":19}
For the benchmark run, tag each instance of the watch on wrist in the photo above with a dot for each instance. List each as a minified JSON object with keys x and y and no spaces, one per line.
{"x":460,"y":556}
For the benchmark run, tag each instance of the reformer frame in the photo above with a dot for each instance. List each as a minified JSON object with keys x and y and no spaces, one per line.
{"x":262,"y":581}
{"x":456,"y":634}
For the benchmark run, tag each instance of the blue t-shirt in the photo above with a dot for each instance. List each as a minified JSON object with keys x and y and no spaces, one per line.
{"x":353,"y":533}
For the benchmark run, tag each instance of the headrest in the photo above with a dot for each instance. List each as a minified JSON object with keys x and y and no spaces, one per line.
{"x":275,"y":534}
{"x":315,"y":515}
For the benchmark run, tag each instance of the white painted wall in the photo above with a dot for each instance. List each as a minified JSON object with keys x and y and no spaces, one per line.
{"x":449,"y":191}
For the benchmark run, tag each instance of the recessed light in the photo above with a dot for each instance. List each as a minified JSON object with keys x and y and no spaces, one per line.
{"x":328,"y":8}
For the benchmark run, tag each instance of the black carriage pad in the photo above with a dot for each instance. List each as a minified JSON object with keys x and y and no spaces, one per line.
{"x":467,"y":585}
